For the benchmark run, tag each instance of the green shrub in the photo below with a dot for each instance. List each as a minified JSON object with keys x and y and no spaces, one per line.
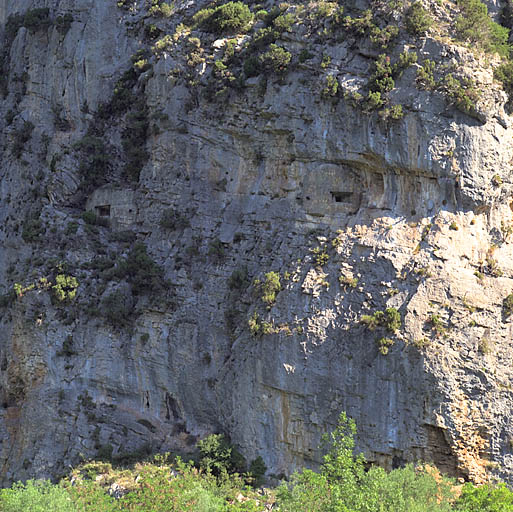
{"x":217,"y":251}
{"x":133,"y":140}
{"x":116,"y":308}
{"x":13,"y":24}
{"x":390,"y":319}
{"x":284,"y":22}
{"x":270,"y":287}
{"x":35,"y":496}
{"x":383,"y":37}
{"x":141,"y":271}
{"x":218,"y":456}
{"x":305,"y":55}
{"x":261,"y":14}
{"x":239,"y":279}
{"x":275,"y":11}
{"x":263,"y":38}
{"x":321,"y":257}
{"x":228,"y":18}
{"x":372,"y":321}
{"x":405,"y":60}
{"x":161,"y":487}
{"x":437,"y":325}
{"x":418,"y":20}
{"x":65,"y":287}
{"x":394,"y":112}
{"x":507,"y":305}
{"x":63,"y":23}
{"x":251,"y":66}
{"x":384,"y":345}
{"x":160,"y":9}
{"x":360,"y":26}
{"x":461,"y":93}
{"x":152,"y":32}
{"x":330,"y":89}
{"x":426,"y":75}
{"x":484,"y":498}
{"x":257,"y":470}
{"x":123,"y":98}
{"x":94,"y":161}
{"x":276,"y":59}
{"x":345,"y":280}
{"x":373,"y":101}
{"x":67,"y":347}
{"x":504,"y":73}
{"x":326,"y":61}
{"x":343,"y":484}
{"x":21,"y":136}
{"x":33,"y":228}
{"x":476,"y":27}
{"x":381,"y":79}
{"x":255,"y":327}
{"x":36,"y":19}
{"x":173,"y":220}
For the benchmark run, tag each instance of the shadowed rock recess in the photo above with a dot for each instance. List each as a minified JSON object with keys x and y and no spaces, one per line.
{"x":248,"y":227}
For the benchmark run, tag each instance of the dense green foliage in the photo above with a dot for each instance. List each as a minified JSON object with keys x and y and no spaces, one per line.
{"x":486,"y":498}
{"x":270,"y":287}
{"x":343,"y":484}
{"x":475,"y":26}
{"x":226,"y":18}
{"x":219,"y":457}
{"x":140,"y":271}
{"x":418,"y":20}
{"x":35,"y":19}
{"x":35,"y":496}
{"x":390,"y":319}
{"x":65,"y":287}
{"x":504,"y":73}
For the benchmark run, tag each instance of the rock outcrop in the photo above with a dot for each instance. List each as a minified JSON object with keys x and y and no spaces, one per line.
{"x":244,"y":229}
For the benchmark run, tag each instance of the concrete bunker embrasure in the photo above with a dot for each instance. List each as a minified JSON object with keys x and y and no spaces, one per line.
{"x":116,"y":205}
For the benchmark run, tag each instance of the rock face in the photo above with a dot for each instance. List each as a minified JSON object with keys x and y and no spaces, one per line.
{"x":231,"y":190}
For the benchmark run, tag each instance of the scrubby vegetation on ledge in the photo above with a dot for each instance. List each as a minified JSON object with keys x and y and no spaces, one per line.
{"x":168,"y":484}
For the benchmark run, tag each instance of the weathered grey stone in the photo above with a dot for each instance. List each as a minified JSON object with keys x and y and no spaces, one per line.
{"x":410,"y":212}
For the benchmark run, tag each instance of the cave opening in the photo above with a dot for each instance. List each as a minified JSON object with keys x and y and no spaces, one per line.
{"x":342,"y":197}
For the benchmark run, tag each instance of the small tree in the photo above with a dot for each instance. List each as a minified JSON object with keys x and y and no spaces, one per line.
{"x":270,"y":287}
{"x":219,"y":456}
{"x":507,"y":305}
{"x":65,"y":287}
{"x":230,"y":17}
{"x":276,"y":59}
{"x":418,"y":21}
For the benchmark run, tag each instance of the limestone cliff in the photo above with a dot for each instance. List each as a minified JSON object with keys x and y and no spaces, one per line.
{"x":251,"y":208}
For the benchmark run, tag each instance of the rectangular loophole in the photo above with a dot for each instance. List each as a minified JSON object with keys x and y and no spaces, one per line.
{"x":342,"y":197}
{"x":103,"y":211}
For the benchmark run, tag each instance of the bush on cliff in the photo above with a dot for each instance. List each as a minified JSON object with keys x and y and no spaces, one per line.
{"x":418,"y":20}
{"x":228,"y":18}
{"x":219,"y":457}
{"x":475,"y":26}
